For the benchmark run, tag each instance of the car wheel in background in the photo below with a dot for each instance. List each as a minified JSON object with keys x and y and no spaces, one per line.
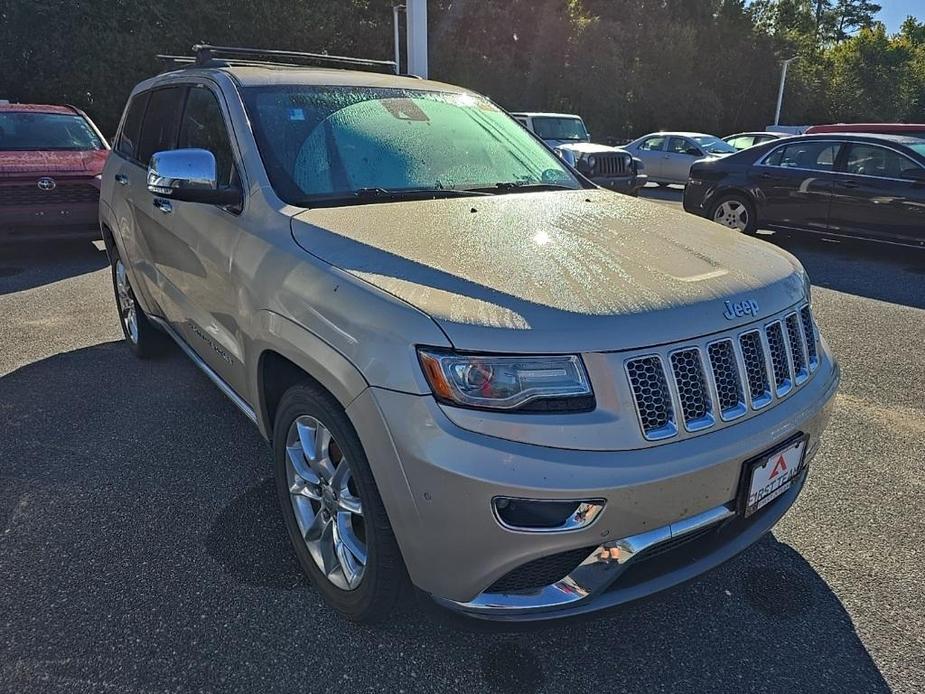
{"x":144,"y":339}
{"x":735,"y":212}
{"x":332,"y":509}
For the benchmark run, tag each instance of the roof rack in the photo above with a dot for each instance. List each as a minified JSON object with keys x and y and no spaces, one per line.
{"x":206,"y":55}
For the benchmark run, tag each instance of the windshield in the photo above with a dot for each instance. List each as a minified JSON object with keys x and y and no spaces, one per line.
{"x":550,"y":128}
{"x":46,"y":131}
{"x":324,"y":143}
{"x":713,"y":144}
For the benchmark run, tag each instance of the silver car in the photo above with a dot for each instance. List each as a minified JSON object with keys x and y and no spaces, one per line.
{"x":479,"y":376}
{"x":668,"y":156}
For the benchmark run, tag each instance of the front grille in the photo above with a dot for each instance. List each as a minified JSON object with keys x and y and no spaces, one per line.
{"x":712,"y":380}
{"x":541,"y":572}
{"x":611,"y":164}
{"x":29,"y":195}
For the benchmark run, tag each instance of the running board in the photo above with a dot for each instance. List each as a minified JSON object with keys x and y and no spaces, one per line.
{"x":206,"y":369}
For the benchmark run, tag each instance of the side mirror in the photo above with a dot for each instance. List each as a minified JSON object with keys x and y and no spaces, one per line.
{"x":914,"y":173}
{"x":189,"y":175}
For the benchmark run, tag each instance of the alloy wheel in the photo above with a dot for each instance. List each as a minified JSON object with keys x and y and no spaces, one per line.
{"x":325,"y":502}
{"x":733,"y":214}
{"x":128,"y":311}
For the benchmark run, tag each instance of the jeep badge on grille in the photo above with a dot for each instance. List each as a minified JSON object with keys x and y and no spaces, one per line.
{"x":737,"y":309}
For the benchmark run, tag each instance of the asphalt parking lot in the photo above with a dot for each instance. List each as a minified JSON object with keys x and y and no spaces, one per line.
{"x":141,"y":549}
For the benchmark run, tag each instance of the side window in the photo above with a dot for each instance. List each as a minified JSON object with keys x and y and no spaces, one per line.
{"x":128,"y":138}
{"x":203,"y":127}
{"x":653,"y":144}
{"x":870,"y":160}
{"x":159,"y":129}
{"x":678,"y":145}
{"x":814,"y":156}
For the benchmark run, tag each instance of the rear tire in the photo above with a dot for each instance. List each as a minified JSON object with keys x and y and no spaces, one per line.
{"x":142,"y":337}
{"x":335,"y":518}
{"x":735,"y":212}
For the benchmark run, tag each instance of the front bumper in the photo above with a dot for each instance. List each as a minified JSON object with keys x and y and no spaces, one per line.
{"x":438,"y":481}
{"x":628,"y":185}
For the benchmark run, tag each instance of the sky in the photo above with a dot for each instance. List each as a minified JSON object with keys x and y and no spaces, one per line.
{"x":895,"y":11}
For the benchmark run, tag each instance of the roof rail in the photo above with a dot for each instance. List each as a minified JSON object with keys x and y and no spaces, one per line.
{"x":206,"y":55}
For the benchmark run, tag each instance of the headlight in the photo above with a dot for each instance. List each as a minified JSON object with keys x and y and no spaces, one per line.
{"x":592,"y":161}
{"x":807,"y":286}
{"x":529,"y":383}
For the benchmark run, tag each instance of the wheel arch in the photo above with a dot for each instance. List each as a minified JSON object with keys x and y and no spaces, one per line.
{"x":291,"y":354}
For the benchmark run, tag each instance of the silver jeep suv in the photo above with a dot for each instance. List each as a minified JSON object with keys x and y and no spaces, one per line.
{"x":481,"y":375}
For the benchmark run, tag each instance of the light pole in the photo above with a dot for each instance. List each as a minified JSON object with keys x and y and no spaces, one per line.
{"x":780,"y":92}
{"x":396,"y":19}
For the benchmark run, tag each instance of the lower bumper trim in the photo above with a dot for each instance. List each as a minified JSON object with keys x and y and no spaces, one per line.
{"x":596,"y":583}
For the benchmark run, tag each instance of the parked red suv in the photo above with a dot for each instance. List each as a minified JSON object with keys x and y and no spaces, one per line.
{"x":51,"y":158}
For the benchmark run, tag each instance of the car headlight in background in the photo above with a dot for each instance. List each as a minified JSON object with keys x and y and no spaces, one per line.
{"x":592,"y":161}
{"x":527,"y":383}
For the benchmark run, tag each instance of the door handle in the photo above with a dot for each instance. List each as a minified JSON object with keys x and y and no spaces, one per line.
{"x":163,"y":205}
{"x":121,"y":179}
{"x":848,"y":184}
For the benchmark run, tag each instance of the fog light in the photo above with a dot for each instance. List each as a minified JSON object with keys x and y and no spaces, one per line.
{"x":539,"y":515}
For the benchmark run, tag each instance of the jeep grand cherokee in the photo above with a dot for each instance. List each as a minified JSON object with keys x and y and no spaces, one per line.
{"x":480,"y":374}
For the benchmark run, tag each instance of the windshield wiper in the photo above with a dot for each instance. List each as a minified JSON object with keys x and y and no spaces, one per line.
{"x":521,"y":186}
{"x":412,"y":193}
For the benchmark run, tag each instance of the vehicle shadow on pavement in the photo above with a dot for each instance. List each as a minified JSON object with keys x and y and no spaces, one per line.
{"x":28,"y":265}
{"x":141,"y":548}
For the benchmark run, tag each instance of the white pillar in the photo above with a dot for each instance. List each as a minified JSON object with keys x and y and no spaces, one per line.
{"x":417,"y":37}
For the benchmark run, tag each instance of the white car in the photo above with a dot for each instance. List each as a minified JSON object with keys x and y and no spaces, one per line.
{"x":668,"y":156}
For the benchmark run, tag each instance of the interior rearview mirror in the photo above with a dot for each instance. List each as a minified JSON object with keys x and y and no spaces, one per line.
{"x":189,"y":175}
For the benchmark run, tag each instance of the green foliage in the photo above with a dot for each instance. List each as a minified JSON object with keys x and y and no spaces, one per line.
{"x":628,"y":66}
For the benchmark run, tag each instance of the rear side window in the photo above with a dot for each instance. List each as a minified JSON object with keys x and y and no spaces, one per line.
{"x":815,"y":156}
{"x":161,"y":122}
{"x":203,"y":127}
{"x":128,"y":138}
{"x":653,"y":143}
{"x":871,"y":160}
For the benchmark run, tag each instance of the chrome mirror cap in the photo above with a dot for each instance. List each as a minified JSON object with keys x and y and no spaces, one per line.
{"x":173,"y":172}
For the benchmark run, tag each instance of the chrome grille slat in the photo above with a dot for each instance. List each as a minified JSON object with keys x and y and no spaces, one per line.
{"x":797,"y":344}
{"x":754,"y":354}
{"x":809,"y":334}
{"x":702,"y":385}
{"x":780,"y":358}
{"x":727,"y":379}
{"x":654,"y":404}
{"x":696,"y":406}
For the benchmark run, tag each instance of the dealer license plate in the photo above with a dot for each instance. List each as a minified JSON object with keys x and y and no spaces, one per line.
{"x":773,"y":474}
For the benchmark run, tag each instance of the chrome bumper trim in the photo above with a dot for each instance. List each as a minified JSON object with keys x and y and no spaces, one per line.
{"x":594,"y":574}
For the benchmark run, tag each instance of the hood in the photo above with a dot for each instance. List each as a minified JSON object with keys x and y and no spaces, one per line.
{"x":59,"y":163}
{"x":563,"y":271}
{"x":589,"y":148}
{"x":558,"y":143}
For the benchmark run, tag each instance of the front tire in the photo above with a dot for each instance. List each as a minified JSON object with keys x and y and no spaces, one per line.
{"x":140,"y":334}
{"x":736,"y":212}
{"x":331,"y":506}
